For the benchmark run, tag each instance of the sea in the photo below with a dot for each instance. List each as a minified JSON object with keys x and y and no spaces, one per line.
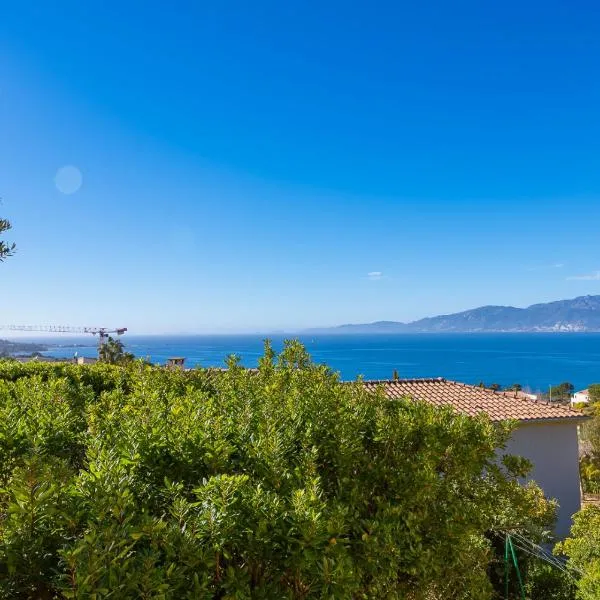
{"x":535,"y":360}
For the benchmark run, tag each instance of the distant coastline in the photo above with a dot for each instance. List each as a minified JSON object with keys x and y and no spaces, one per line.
{"x":359,"y":330}
{"x":537,"y":360}
{"x":578,"y":315}
{"x":12,"y":348}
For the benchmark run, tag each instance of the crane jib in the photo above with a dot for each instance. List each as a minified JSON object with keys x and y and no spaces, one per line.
{"x":103,"y":333}
{"x":65,"y":329}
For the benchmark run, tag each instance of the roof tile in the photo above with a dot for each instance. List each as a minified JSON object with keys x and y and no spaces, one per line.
{"x":473,"y":400}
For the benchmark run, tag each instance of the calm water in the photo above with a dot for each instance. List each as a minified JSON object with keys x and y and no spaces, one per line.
{"x":534,"y":360}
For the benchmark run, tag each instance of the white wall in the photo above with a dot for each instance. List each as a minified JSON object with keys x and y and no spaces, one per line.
{"x":580,"y":397}
{"x":553,"y":449}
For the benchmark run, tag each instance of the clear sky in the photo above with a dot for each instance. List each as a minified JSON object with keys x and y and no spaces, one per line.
{"x":242,"y":166}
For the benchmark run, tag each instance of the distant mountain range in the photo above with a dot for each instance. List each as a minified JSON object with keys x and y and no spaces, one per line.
{"x":579,"y":314}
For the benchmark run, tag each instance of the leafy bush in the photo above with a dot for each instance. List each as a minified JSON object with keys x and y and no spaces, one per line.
{"x":583,"y":550}
{"x":589,"y":464}
{"x":139,"y":482}
{"x":546,"y":582}
{"x":594,"y":392}
{"x":589,"y":471}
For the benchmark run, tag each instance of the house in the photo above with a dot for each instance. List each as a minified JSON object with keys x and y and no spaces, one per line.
{"x":547,"y":434}
{"x":582,"y":397}
{"x":85,"y":360}
{"x":176,"y":362}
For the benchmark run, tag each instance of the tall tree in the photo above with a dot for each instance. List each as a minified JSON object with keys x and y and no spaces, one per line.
{"x":561,"y":392}
{"x":113,"y":352}
{"x":6,"y":249}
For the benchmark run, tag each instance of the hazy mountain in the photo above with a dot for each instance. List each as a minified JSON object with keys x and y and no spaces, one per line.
{"x":579,"y":314}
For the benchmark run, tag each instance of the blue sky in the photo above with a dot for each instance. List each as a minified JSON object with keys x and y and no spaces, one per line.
{"x":263,"y":166}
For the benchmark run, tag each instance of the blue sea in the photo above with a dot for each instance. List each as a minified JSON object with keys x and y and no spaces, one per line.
{"x":533,"y":360}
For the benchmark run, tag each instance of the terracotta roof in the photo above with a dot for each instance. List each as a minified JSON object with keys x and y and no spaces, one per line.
{"x":473,"y":400}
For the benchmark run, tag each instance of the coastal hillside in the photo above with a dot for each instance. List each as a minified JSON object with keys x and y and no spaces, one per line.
{"x":9,"y":348}
{"x":578,"y":314}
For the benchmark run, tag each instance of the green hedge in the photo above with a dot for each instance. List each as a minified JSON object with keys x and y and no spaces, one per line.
{"x":140,"y":482}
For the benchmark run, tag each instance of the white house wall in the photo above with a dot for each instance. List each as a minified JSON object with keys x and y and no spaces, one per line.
{"x":579,"y":397}
{"x":553,"y":450}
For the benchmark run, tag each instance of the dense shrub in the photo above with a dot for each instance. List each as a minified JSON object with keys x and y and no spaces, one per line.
{"x":589,"y":472}
{"x":546,"y":582}
{"x":589,"y":465}
{"x":140,"y":482}
{"x":583,"y":550}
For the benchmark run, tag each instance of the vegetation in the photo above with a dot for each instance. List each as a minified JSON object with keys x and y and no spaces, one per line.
{"x":561,"y":392}
{"x":583,"y":550}
{"x":139,"y":482}
{"x":113,"y":352}
{"x":6,"y":249}
{"x":495,"y":387}
{"x":589,"y":471}
{"x":594,"y":391}
{"x":589,"y":464}
{"x":545,"y":582}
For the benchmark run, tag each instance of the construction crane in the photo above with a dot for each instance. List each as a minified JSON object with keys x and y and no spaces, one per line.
{"x":101,"y":332}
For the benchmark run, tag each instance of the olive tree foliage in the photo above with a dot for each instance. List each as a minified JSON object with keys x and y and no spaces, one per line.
{"x":6,"y":249}
{"x":139,"y":482}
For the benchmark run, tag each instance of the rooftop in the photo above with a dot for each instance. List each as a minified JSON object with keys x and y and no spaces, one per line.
{"x":472,"y":400}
